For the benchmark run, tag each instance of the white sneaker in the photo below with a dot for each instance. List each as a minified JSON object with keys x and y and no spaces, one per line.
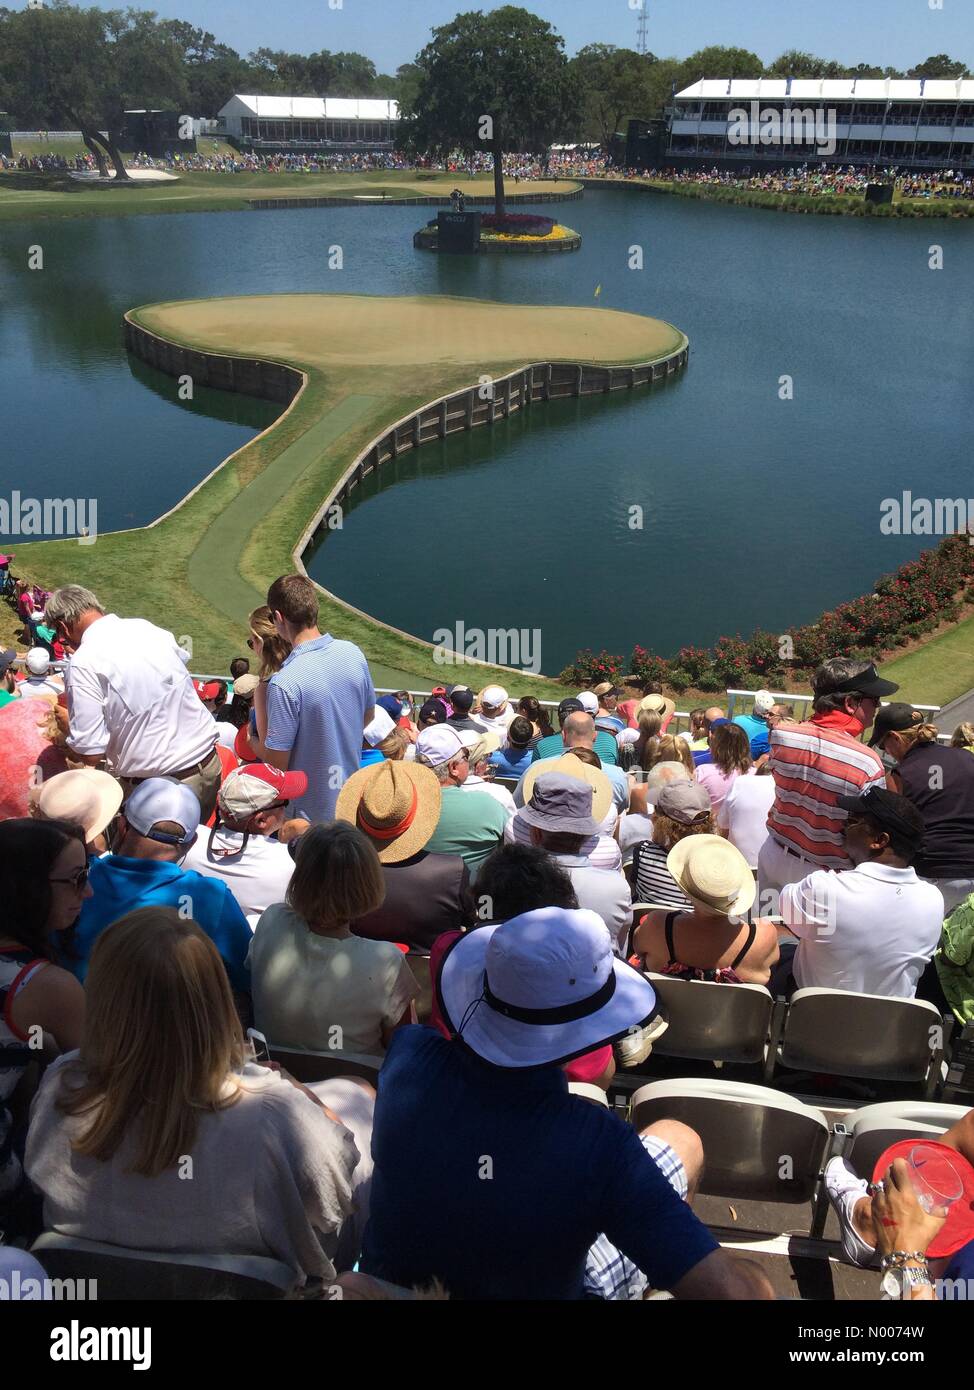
{"x":845,"y":1189}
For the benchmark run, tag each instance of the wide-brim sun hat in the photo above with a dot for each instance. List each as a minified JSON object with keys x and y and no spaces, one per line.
{"x":88,"y":797}
{"x":582,"y":772}
{"x":396,"y":804}
{"x":713,"y":873}
{"x":540,"y":989}
{"x":658,"y":704}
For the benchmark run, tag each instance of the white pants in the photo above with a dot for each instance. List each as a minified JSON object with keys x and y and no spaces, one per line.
{"x":355,"y":1107}
{"x":776,"y":868}
{"x":955,"y":891}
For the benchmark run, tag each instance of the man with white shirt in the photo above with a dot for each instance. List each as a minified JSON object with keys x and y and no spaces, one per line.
{"x":871,"y":929}
{"x":39,"y":679}
{"x":495,"y":711}
{"x":252,"y":805}
{"x":131,"y":702}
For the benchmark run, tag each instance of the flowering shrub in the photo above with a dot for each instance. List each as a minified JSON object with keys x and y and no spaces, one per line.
{"x":905,"y":605}
{"x":590,"y":668}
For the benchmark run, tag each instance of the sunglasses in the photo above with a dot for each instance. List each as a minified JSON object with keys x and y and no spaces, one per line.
{"x":77,"y":881}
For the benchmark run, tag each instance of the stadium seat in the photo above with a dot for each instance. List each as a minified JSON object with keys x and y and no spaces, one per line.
{"x":862,"y":1035}
{"x":587,"y":1091}
{"x":511,"y":783}
{"x":867,"y":1133}
{"x":713,"y":1022}
{"x":325,"y":1066}
{"x":136,"y":1275}
{"x":758,"y":1144}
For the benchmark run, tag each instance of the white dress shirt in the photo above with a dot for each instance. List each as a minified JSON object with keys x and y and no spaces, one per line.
{"x":871,"y":929}
{"x":131,"y":701}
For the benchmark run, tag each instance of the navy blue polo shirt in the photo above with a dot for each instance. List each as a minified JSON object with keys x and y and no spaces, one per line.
{"x":496,"y":1182}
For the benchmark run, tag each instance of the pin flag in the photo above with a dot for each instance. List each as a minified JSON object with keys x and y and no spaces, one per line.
{"x":598,"y":291}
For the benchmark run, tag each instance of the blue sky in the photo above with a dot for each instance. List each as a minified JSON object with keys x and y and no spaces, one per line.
{"x":390,"y":32}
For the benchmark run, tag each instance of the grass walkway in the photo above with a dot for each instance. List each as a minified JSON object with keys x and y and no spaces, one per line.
{"x":369,"y":361}
{"x":939,"y":671}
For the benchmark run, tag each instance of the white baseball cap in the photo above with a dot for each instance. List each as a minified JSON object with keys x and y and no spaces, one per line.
{"x":161,"y":799}
{"x":440,"y":744}
{"x":588,"y":701}
{"x":380,"y":727}
{"x":38,"y":661}
{"x":494,"y":696}
{"x":763,"y":702}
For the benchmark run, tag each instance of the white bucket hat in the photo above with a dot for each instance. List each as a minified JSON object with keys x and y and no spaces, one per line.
{"x":541,"y":989}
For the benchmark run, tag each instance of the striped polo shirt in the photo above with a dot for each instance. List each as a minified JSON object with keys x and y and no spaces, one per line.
{"x":812,"y":766}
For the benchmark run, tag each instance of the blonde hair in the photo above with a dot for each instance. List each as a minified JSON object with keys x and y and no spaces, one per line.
{"x":668,"y":748}
{"x":161,"y":1039}
{"x":963,"y":736}
{"x":920,"y":733}
{"x":394,"y":745}
{"x":337,"y":876}
{"x":276,"y":649}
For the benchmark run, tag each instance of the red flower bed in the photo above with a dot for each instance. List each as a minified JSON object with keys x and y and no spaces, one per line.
{"x":904,"y":605}
{"x":517,"y":223}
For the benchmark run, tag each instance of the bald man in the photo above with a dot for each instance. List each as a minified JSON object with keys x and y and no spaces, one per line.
{"x":579,"y":731}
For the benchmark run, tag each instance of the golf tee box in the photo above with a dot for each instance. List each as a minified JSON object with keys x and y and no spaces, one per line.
{"x":458,"y":231}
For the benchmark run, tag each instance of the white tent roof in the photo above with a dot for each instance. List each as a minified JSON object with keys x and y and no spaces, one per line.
{"x":829,"y":89}
{"x":313,"y":108}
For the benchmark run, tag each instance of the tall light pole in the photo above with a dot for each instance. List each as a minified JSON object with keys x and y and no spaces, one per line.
{"x":642,"y":30}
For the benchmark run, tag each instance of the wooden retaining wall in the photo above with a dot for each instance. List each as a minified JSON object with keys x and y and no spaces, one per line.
{"x":471,"y":407}
{"x":431,"y":200}
{"x":251,"y":376}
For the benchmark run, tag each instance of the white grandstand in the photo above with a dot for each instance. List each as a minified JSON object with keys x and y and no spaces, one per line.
{"x":300,"y":123}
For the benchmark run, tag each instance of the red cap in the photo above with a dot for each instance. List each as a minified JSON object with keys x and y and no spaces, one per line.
{"x":242,"y":747}
{"x":208,"y":690}
{"x":258,"y":786}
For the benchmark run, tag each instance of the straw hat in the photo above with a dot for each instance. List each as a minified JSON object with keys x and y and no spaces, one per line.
{"x":83,"y":795}
{"x":397,"y":804}
{"x":713,"y":873}
{"x":582,"y":772}
{"x":658,"y":704}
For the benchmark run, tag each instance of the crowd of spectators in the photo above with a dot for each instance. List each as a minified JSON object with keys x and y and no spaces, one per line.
{"x":459,"y":889}
{"x":815,"y":181}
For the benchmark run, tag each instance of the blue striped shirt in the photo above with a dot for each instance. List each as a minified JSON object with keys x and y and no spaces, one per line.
{"x":317,"y":706}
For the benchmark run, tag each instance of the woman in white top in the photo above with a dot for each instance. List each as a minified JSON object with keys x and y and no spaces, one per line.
{"x":314,"y":984}
{"x":154,"y":1135}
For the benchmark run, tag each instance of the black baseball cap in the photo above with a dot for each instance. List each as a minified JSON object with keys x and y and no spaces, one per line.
{"x":894,"y":813}
{"x":868,"y":682}
{"x":570,"y":706}
{"x":433,"y":709}
{"x":892,"y":719}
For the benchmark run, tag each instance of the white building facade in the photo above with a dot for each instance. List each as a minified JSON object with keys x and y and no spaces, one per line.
{"x":321,"y":123}
{"x":910,"y":123}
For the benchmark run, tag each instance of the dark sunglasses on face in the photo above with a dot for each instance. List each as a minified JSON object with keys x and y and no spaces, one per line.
{"x":77,"y":880}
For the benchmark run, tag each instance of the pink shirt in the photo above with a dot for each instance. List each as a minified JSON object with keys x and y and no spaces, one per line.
{"x":717,"y":783}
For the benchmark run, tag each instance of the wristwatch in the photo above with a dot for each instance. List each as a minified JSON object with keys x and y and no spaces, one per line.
{"x":901,"y":1277}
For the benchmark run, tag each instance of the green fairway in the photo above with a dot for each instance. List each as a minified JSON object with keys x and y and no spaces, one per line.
{"x":939,"y":671}
{"x":35,"y":195}
{"x":369,"y":361}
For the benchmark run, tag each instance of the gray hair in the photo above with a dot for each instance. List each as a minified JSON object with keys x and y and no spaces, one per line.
{"x":442,"y":770}
{"x":838,"y":671}
{"x":70,"y":604}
